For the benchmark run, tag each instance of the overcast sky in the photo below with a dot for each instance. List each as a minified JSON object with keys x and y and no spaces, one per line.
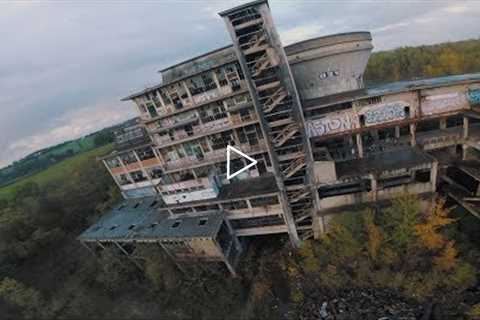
{"x":65,"y":65}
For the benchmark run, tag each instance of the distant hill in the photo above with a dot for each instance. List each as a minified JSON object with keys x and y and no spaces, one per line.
{"x":42,"y":159}
{"x":408,"y":63}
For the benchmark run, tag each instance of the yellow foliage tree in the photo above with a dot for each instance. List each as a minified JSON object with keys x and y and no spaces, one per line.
{"x":374,"y":235}
{"x":428,"y":231}
{"x":447,"y":259}
{"x":310,"y":261}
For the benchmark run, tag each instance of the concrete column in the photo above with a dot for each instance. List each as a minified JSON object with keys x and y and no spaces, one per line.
{"x":359,"y":145}
{"x":397,"y":132}
{"x":464,"y":151}
{"x":209,"y":144}
{"x":215,"y":79}
{"x":443,"y":123}
{"x":188,"y":91}
{"x":235,"y":137}
{"x":413,"y":139}
{"x":465,"y":127}
{"x":100,"y":245}
{"x":125,"y":171}
{"x":158,"y":155}
{"x":113,"y":176}
{"x":374,"y":185}
{"x":160,"y":98}
{"x":194,"y":174}
{"x":88,"y":247}
{"x":433,"y":175}
{"x":142,"y":167}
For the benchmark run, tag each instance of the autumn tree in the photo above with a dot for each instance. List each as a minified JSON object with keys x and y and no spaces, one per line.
{"x":28,"y":300}
{"x":429,"y":229}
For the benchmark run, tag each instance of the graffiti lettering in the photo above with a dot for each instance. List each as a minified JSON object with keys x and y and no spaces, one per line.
{"x":330,"y":124}
{"x":385,"y":112}
{"x":443,"y":103}
{"x":473,"y":97}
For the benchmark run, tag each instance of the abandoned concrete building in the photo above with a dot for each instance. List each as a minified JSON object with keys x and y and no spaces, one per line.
{"x":324,"y":143}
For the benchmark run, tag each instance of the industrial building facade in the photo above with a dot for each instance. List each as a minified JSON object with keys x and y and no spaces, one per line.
{"x":324,"y":143}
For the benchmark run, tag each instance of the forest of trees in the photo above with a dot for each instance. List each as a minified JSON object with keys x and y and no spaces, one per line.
{"x":408,"y":63}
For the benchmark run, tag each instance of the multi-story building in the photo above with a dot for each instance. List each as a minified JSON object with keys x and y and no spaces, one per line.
{"x":324,"y":143}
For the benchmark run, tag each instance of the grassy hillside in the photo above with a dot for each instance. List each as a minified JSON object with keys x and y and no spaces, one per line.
{"x":42,"y":159}
{"x":424,"y":61}
{"x":57,"y":173}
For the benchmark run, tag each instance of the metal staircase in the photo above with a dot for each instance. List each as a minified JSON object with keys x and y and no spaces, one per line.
{"x":274,"y":96}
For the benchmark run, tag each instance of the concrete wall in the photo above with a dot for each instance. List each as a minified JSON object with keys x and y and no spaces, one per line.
{"x":385,"y":194}
{"x":199,"y":64}
{"x":324,"y":172}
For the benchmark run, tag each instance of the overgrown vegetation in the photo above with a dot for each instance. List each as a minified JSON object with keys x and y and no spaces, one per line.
{"x":424,"y":62}
{"x":401,"y":247}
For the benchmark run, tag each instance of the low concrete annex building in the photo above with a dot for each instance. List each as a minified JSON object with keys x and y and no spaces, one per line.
{"x":323,"y":141}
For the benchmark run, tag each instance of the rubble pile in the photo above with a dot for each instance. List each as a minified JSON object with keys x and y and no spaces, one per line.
{"x":366,"y":304}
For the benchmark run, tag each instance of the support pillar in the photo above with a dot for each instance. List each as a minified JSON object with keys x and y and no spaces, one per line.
{"x":188,"y":92}
{"x":374,"y":186}
{"x":142,"y":167}
{"x":465,"y":127}
{"x":443,"y":123}
{"x":88,"y":248}
{"x":215,"y":79}
{"x":158,"y":155}
{"x":111,"y":173}
{"x":128,"y":256}
{"x":413,"y":139}
{"x":160,"y":98}
{"x":433,"y":176}
{"x":125,"y":171}
{"x":359,"y":145}
{"x":397,"y":132}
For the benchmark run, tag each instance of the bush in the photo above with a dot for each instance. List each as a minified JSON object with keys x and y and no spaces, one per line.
{"x":27,"y":299}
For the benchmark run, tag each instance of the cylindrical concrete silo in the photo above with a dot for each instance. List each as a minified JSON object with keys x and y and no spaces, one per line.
{"x":329,"y":65}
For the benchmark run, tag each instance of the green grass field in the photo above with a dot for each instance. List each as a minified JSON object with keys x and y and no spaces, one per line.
{"x":57,"y":172}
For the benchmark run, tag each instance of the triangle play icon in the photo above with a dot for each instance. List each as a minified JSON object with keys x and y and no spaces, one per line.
{"x":229,"y":150}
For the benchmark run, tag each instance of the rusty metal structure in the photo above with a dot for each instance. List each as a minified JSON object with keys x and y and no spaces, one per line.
{"x":323,"y":141}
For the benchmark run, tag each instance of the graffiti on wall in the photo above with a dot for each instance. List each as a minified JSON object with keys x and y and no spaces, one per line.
{"x":441,"y":103}
{"x":332,"y":123}
{"x":384,"y":112}
{"x":473,"y":96}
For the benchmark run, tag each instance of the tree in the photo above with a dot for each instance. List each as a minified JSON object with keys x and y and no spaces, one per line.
{"x":400,"y":220}
{"x":428,"y":230}
{"x":27,"y":299}
{"x":374,"y":234}
{"x":447,"y":259}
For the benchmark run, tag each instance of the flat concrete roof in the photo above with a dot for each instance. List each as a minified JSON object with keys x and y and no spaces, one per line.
{"x":242,"y":6}
{"x":387,"y":161}
{"x":140,"y":220}
{"x":389,"y":88}
{"x":327,"y":40}
{"x":249,"y":187}
{"x":236,"y":191}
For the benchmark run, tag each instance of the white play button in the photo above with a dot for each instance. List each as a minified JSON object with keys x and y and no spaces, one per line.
{"x":252,"y":161}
